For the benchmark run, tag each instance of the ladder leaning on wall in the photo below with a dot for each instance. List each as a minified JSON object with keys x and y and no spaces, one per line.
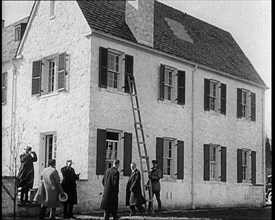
{"x":140,"y":138}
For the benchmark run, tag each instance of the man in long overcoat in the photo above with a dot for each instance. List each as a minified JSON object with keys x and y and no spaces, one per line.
{"x":69,"y":186}
{"x":111,"y":188}
{"x":134,"y":196}
{"x":26,"y":173}
{"x":52,"y":186}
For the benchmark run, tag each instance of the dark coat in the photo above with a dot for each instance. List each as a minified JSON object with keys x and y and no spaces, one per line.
{"x":111,"y":188}
{"x":133,"y":190}
{"x":26,"y":172}
{"x":155,"y":176}
{"x":69,"y":184}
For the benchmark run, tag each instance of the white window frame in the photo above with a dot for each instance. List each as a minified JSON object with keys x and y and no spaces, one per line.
{"x":245,"y":106}
{"x":52,"y":9}
{"x":215,"y":163}
{"x":17,"y":33}
{"x":172,"y":85}
{"x":246,"y":166}
{"x":173,"y":158}
{"x":216,"y":107}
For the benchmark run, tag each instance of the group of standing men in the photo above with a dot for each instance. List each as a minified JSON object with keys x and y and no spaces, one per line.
{"x":134,"y":197}
{"x":50,"y":190}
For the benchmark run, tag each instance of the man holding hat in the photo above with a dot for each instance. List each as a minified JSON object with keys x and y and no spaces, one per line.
{"x":155,"y":176}
{"x":26,"y":173}
{"x":69,"y":187}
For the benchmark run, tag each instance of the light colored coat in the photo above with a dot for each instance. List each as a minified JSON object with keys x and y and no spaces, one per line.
{"x":52,"y":185}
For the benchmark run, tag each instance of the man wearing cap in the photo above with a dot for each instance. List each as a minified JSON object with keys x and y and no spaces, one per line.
{"x":69,"y":187}
{"x":26,"y":173}
{"x":155,"y":176}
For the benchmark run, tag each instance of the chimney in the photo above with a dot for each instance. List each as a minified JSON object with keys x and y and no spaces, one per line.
{"x":139,"y":17}
{"x":3,"y":23}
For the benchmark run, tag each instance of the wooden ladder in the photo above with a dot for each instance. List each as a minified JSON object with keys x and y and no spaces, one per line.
{"x":140,"y":137}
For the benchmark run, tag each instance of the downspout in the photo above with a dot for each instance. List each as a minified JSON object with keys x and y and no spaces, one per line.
{"x":193,"y":205}
{"x":263,"y":145}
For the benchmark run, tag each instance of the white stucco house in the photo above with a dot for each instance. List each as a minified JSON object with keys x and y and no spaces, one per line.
{"x":201,"y":100}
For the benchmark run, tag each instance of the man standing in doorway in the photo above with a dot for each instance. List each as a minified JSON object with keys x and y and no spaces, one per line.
{"x":69,"y":187}
{"x":111,"y":188}
{"x":155,"y":176}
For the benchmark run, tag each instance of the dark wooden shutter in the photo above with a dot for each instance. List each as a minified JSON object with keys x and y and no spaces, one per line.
{"x":4,"y":87}
{"x":239,"y":103}
{"x":161,"y":82}
{"x":180,"y":160}
{"x":61,"y":81}
{"x":129,"y":70}
{"x":206,"y":174}
{"x":206,"y":94}
{"x":127,"y":154}
{"x":253,"y":167}
{"x":23,"y":28}
{"x":181,"y":87}
{"x":239,"y":166}
{"x":223,"y":164}
{"x":36,"y":77}
{"x":253,"y":106}
{"x":159,"y":154}
{"x":103,"y":67}
{"x":223,"y":99}
{"x":101,"y":152}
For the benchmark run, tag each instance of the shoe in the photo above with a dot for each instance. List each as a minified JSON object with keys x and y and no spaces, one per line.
{"x":72,"y":216}
{"x":132,"y":214}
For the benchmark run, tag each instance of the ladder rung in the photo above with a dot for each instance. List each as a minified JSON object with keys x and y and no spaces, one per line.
{"x":145,"y":157}
{"x":140,"y":128}
{"x":138,"y":123}
{"x":145,"y":171}
{"x":136,"y":109}
{"x":141,"y":142}
{"x":134,"y":94}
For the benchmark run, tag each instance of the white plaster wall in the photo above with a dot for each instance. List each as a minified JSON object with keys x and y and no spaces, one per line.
{"x":66,"y":113}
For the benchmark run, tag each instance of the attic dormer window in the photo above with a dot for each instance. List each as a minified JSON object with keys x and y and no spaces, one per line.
{"x":52,"y":8}
{"x":17,"y":33}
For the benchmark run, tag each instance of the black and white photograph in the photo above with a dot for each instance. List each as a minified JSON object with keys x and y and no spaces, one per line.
{"x":136,"y":109}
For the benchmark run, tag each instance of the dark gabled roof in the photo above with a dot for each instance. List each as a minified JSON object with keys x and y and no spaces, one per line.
{"x":9,"y":47}
{"x":211,"y":46}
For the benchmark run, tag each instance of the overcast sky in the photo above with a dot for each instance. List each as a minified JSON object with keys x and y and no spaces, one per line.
{"x":248,"y":21}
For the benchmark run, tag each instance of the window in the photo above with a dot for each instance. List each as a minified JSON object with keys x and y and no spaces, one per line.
{"x":52,"y":8}
{"x":114,"y":69}
{"x":113,"y":145}
{"x":246,"y":166}
{"x":4,"y":88}
{"x":17,"y":33}
{"x":50,"y":74}
{"x":214,"y":162}
{"x":50,"y":147}
{"x":214,"y":96}
{"x":112,"y":142}
{"x":246,"y":104}
{"x":172,"y":84}
{"x":170,"y":157}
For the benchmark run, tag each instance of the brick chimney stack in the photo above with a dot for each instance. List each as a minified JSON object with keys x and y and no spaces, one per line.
{"x":139,"y":16}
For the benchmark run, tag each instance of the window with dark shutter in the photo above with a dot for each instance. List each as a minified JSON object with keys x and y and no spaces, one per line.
{"x":180,"y":160}
{"x":159,"y":154}
{"x":161,"y":82}
{"x":36,"y":77}
{"x":223,"y":99}
{"x":206,"y":153}
{"x":239,"y":103}
{"x":253,"y":106}
{"x":103,"y":67}
{"x":129,"y":70}
{"x":101,"y":152}
{"x":61,"y":82}
{"x":4,"y":88}
{"x":239,"y":165}
{"x":181,"y":87}
{"x":206,"y":94}
{"x":223,"y":164}
{"x":253,"y":167}
{"x":127,"y":154}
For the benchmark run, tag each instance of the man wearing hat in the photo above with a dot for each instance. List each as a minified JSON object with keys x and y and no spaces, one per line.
{"x":69,"y":187}
{"x":155,"y":176}
{"x":26,"y":173}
